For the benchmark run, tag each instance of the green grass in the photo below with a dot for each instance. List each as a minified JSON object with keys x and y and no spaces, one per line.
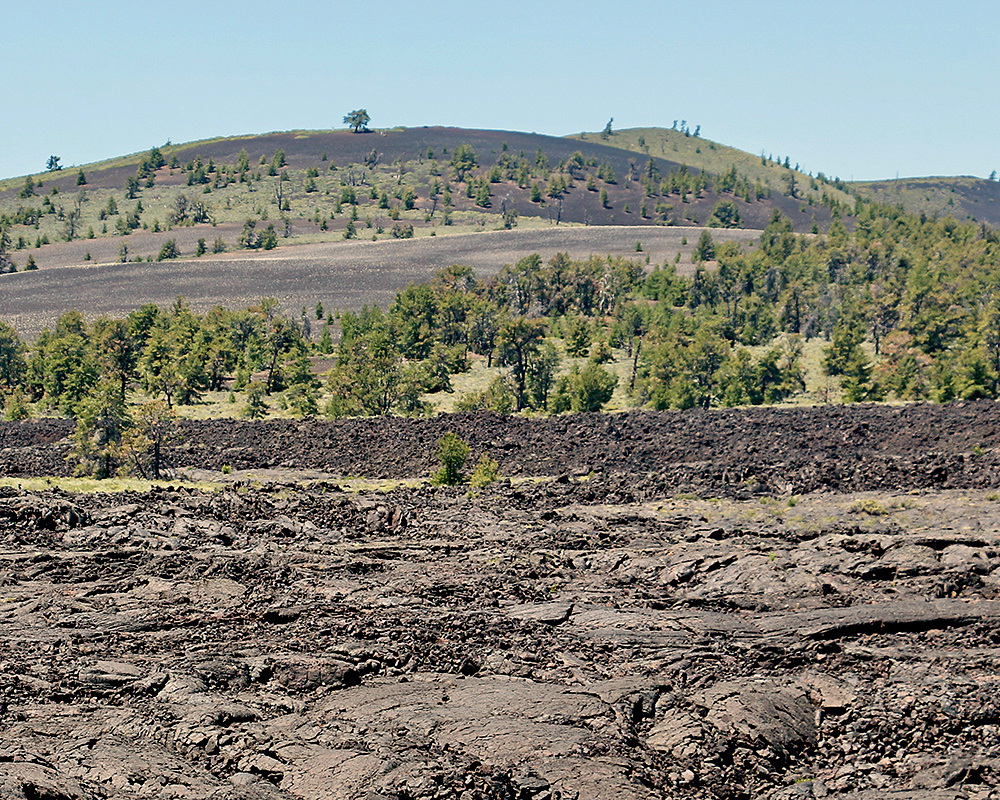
{"x":93,"y":485}
{"x":477,"y":379}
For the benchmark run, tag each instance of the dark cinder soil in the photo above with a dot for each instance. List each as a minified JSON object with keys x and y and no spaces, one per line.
{"x":340,"y":275}
{"x":759,"y":450}
{"x":770,"y":603}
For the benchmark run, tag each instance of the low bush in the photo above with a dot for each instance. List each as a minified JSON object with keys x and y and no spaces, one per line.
{"x":452,"y":453}
{"x":485,"y":472}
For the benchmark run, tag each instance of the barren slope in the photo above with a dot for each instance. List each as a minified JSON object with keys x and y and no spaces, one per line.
{"x":605,"y":637}
{"x":339,"y":274}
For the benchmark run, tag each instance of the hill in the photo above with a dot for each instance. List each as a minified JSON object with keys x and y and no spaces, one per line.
{"x":965,"y":198}
{"x":254,"y":192}
{"x":716,"y":158}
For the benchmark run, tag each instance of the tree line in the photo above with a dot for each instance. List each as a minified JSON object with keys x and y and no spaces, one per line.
{"x":907,"y":307}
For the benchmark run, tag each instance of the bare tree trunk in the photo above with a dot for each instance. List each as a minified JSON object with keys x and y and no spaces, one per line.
{"x":635,"y":364}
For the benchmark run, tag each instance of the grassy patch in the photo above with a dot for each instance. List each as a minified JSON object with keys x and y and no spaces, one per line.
{"x":869,"y":506}
{"x":93,"y":485}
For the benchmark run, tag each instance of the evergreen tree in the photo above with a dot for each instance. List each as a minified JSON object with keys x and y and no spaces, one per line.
{"x":13,"y":366}
{"x":518,"y":342}
{"x":452,"y":453}
{"x":588,"y":389}
{"x":256,"y":405}
{"x":102,"y":419}
{"x":705,"y":249}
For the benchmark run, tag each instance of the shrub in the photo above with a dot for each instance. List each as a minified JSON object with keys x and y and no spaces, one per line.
{"x":496,"y":397}
{"x":168,"y":251}
{"x":250,"y":238}
{"x":485,"y":472}
{"x":17,"y":407}
{"x":269,"y":238}
{"x":577,"y":333}
{"x":725,"y":214}
{"x":256,"y":406}
{"x":869,"y":506}
{"x":301,"y":399}
{"x":583,"y":390}
{"x":600,"y":352}
{"x":452,"y":453}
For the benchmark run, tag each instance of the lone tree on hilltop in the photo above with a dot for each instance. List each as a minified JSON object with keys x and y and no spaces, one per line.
{"x":358,"y":120}
{"x":53,"y":165}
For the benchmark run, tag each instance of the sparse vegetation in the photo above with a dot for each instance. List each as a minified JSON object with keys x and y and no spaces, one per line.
{"x":485,"y":472}
{"x":868,"y":506}
{"x":745,"y":328}
{"x":498,"y":189}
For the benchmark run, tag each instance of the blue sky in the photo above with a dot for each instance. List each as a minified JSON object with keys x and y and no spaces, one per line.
{"x":860,"y":90}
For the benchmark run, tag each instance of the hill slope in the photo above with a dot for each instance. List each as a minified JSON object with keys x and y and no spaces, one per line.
{"x":313,"y":186}
{"x":963,"y":197}
{"x":340,"y":275}
{"x":716,"y":158}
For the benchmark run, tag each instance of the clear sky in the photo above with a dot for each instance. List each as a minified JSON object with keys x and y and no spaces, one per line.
{"x":858,"y":89}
